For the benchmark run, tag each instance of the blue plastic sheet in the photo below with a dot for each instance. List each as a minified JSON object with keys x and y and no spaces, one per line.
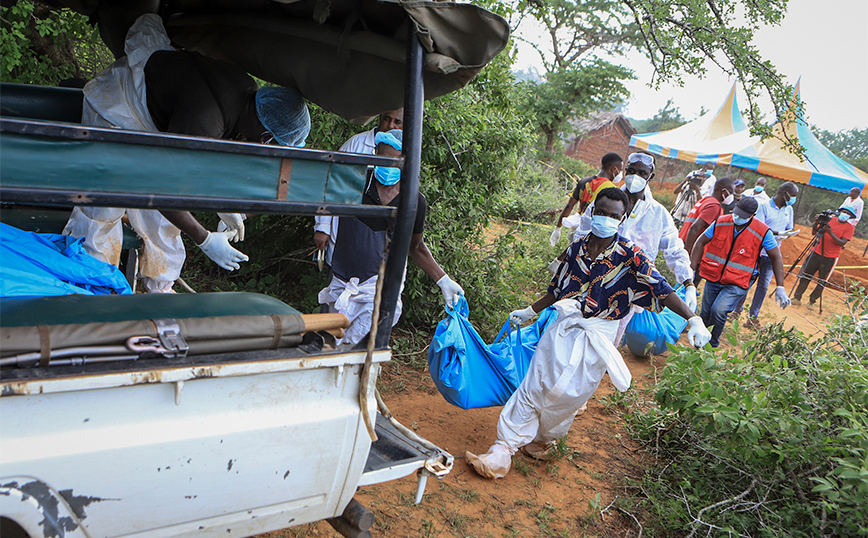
{"x":648,"y":332}
{"x":470,"y":373}
{"x":41,"y":265}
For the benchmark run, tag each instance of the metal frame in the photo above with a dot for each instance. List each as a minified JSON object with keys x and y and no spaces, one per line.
{"x":405,"y":214}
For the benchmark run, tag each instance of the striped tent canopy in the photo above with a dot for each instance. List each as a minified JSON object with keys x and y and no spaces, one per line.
{"x":816,"y":167}
{"x":710,"y":138}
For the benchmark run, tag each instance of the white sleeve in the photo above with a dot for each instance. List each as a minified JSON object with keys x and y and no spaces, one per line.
{"x":323,"y":224}
{"x":585,"y":226}
{"x":676,"y":256}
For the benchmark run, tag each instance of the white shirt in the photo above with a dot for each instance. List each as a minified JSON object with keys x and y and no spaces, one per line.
{"x":361,"y":143}
{"x":761,"y":197}
{"x":650,"y":226}
{"x":778,"y":219}
{"x":858,"y":204}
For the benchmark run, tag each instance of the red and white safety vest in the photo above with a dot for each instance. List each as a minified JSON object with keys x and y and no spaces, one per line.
{"x":730,"y":259}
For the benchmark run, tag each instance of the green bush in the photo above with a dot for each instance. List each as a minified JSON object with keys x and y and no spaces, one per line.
{"x":771,"y":440}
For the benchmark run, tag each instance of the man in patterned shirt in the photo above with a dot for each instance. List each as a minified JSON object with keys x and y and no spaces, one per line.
{"x":602,"y":276}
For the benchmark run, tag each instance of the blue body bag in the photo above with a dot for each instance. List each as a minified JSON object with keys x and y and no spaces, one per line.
{"x":468,"y":372}
{"x":41,"y":265}
{"x":648,"y":332}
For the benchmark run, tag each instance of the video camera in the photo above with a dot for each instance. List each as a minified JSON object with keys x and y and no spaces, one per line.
{"x":825,"y":216}
{"x":698,"y":179}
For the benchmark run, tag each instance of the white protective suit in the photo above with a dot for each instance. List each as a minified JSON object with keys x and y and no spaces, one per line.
{"x":117,"y":98}
{"x":565,"y":371}
{"x":355,"y":300}
{"x":361,"y":143}
{"x":650,"y":226}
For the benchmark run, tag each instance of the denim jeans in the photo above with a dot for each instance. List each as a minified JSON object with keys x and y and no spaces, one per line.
{"x":762,"y":279}
{"x":718,"y":300}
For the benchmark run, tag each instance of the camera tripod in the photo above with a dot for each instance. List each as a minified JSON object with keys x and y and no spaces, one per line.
{"x":808,"y":249}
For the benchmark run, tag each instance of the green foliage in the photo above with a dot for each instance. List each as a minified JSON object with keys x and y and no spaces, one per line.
{"x":680,"y":37}
{"x":771,"y":440}
{"x":574,"y":91}
{"x":668,"y":117}
{"x":43,"y":46}
{"x":852,"y":145}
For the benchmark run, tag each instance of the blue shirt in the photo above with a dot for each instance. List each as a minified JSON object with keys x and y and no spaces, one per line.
{"x":777,"y":218}
{"x":607,"y":286}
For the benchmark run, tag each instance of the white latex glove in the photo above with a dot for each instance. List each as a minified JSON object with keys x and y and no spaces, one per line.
{"x":451,"y":290}
{"x":555,"y":236}
{"x":216,"y":246}
{"x":697,"y":334}
{"x":553,"y":267}
{"x":781,"y":297}
{"x":230,"y":222}
{"x":517,"y":317}
{"x":690,"y":298}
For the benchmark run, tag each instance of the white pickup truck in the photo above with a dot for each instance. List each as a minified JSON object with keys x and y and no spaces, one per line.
{"x":219,"y":414}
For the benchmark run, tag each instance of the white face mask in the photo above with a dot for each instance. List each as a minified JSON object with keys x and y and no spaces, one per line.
{"x":603,"y":226}
{"x":728,"y":200}
{"x":635,"y":183}
{"x":618,"y":178}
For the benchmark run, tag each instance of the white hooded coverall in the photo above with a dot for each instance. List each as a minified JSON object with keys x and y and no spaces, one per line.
{"x":117,"y":98}
{"x":564,"y":372}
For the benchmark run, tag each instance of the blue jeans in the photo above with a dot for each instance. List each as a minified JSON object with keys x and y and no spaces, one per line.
{"x":718,"y":300}
{"x":762,"y":279}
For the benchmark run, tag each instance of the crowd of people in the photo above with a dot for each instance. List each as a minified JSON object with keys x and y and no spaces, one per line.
{"x":729,"y":235}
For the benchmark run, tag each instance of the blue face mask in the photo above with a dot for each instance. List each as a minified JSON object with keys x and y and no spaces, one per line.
{"x":739,"y":221}
{"x":791,"y":201}
{"x":387,"y":175}
{"x":843,"y":217}
{"x":603,"y":226}
{"x":758,"y":189}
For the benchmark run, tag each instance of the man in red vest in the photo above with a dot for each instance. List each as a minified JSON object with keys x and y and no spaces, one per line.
{"x":726,"y":256}
{"x":706,"y":211}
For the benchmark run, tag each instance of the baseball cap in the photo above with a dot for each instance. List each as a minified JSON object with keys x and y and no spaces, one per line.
{"x":738,"y":182}
{"x":848,"y":208}
{"x":745,"y":208}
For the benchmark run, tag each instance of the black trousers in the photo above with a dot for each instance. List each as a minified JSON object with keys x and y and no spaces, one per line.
{"x":822,"y":266}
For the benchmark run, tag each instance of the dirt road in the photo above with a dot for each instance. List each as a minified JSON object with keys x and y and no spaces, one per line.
{"x":563,"y":498}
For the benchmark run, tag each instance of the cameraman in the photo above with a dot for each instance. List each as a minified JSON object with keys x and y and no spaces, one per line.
{"x":833,"y":235}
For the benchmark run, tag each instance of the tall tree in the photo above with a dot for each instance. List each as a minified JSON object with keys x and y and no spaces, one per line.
{"x":576,"y":83}
{"x":681,"y":37}
{"x":678,"y":37}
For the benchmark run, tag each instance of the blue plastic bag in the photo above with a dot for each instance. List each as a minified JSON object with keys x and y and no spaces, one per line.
{"x":41,"y":265}
{"x":471,"y":374}
{"x":648,"y":332}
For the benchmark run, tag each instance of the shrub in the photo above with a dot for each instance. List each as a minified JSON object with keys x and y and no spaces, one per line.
{"x":771,"y":440}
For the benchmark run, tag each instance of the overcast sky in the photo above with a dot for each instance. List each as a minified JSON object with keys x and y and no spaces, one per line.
{"x":826,"y":43}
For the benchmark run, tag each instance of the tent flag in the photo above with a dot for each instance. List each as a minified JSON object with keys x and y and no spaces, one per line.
{"x":709,"y":138}
{"x":816,"y":167}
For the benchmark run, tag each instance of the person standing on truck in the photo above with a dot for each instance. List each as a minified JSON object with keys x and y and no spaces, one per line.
{"x":325,"y":228}
{"x":360,"y":247}
{"x":603,"y":275}
{"x":157,"y":88}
